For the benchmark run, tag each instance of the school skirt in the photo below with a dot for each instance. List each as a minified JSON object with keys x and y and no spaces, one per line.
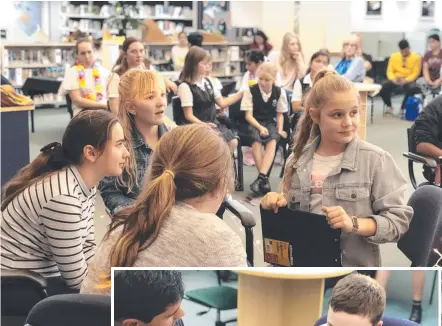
{"x":227,"y":134}
{"x":271,"y":127}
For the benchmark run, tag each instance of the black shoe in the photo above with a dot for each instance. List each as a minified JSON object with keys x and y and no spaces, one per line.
{"x":265,"y":186}
{"x":416,"y":314}
{"x":256,"y":186}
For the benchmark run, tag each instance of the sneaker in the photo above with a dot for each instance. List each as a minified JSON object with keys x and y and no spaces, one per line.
{"x":265,"y":186}
{"x":389,"y":111}
{"x":256,"y":186}
{"x":416,"y":314}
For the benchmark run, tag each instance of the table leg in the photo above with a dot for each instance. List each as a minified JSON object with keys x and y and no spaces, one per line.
{"x":363,"y":115}
{"x":279,"y":302}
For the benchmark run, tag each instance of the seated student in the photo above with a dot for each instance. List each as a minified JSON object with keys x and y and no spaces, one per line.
{"x":179,"y":51}
{"x":432,"y":67}
{"x":356,"y":300}
{"x":173,"y":221}
{"x":195,"y":39}
{"x":428,"y":131}
{"x":142,"y":105}
{"x":355,"y":184}
{"x":402,"y":71}
{"x":148,"y":298}
{"x":254,"y":58}
{"x":351,"y":65}
{"x":133,"y":55}
{"x":264,"y":103}
{"x":48,"y":207}
{"x":261,"y":43}
{"x":86,"y":80}
{"x":198,"y":95}
{"x":318,"y":61}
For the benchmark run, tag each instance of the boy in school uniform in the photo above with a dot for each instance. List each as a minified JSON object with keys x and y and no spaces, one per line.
{"x":264,"y":105}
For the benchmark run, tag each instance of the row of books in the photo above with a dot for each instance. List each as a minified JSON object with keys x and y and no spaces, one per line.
{"x":18,"y":76}
{"x":16,"y":57}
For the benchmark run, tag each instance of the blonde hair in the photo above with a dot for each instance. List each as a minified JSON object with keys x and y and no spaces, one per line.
{"x":325,"y":85}
{"x":267,"y":68}
{"x":188,"y":162}
{"x":286,"y":61}
{"x":135,"y":84}
{"x":353,"y":37}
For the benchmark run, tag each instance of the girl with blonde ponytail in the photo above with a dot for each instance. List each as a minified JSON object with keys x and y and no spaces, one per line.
{"x":173,"y":221}
{"x":354,"y":184}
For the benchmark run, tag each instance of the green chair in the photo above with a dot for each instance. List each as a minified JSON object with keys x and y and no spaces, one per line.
{"x":218,"y":297}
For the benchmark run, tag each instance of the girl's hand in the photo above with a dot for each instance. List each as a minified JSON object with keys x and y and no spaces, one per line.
{"x":264,"y":132}
{"x":171,"y":86}
{"x":273,"y":200}
{"x":283,"y":134}
{"x":337,"y":218}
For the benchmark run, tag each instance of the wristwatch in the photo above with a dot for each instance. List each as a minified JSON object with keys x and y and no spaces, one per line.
{"x":355,"y":224}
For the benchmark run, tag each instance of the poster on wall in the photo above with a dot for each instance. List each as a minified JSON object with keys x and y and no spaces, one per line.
{"x":373,"y":9}
{"x":427,"y":10}
{"x":213,"y":16}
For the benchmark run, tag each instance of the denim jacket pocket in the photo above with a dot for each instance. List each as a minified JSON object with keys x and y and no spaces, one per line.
{"x":354,"y":199}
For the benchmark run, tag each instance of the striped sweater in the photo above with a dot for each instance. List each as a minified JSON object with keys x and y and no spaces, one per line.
{"x":49,"y":228}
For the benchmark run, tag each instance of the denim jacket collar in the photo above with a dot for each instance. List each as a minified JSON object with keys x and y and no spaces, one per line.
{"x":349,"y":160}
{"x":138,"y":140}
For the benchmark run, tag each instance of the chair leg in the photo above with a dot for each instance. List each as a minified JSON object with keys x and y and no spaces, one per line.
{"x":249,"y":245}
{"x":240,"y":169}
{"x":433,"y":287}
{"x":372,"y":109}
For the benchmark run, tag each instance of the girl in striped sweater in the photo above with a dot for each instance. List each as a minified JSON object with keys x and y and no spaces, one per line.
{"x":47,"y":221}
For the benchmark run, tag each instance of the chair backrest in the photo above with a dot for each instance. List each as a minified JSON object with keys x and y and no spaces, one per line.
{"x":71,"y":310}
{"x":177,"y":111}
{"x":20,"y":291}
{"x":387,"y":321}
{"x":425,"y":231}
{"x":411,"y":136}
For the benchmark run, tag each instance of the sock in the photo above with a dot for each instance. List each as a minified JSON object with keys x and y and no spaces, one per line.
{"x":262,"y":176}
{"x":416,"y":303}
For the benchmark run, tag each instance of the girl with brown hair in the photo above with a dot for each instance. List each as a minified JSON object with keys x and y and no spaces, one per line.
{"x":199,"y":96}
{"x":133,"y":55}
{"x":354,"y":184}
{"x":142,"y":105}
{"x":173,"y":221}
{"x":48,"y":207}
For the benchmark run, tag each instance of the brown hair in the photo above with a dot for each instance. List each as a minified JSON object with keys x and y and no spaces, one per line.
{"x":135,"y":84}
{"x":286,"y":61}
{"x":91,"y":127}
{"x":188,"y":162}
{"x":325,"y":85}
{"x":193,"y":58}
{"x":360,"y":295}
{"x":121,"y":66}
{"x":83,"y":40}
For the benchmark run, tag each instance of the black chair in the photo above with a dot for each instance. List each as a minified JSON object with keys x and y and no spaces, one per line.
{"x":71,"y":310}
{"x":179,"y":118}
{"x":422,"y":243}
{"x":21,"y":290}
{"x":69,"y":105}
{"x":218,"y":297}
{"x":429,"y":164}
{"x":387,"y":321}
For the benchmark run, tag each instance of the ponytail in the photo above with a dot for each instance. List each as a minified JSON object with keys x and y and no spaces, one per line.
{"x":51,"y":159}
{"x":326,"y":82}
{"x":142,"y":224}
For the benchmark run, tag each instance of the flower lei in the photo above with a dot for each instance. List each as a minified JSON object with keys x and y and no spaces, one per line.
{"x":86,"y":92}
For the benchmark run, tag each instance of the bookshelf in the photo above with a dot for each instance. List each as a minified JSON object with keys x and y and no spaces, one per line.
{"x":91,"y":17}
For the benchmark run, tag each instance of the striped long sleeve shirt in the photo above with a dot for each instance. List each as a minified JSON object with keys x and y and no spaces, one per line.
{"x":49,"y":228}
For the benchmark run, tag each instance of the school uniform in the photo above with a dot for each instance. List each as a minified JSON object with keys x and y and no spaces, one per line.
{"x":300,"y":89}
{"x":201,"y":96}
{"x":264,"y":107}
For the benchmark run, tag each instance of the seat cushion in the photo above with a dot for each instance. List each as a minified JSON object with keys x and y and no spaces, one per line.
{"x":218,"y":297}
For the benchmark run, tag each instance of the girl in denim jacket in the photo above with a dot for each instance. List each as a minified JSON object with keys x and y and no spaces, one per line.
{"x":356,"y":185}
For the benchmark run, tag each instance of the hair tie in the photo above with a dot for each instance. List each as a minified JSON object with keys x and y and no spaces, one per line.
{"x":170,"y":172}
{"x":50,"y":147}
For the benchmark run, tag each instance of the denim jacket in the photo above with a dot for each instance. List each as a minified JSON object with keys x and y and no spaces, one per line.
{"x":116,"y":196}
{"x":366,"y":184}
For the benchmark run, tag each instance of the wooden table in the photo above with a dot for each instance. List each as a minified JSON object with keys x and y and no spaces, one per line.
{"x":14,"y":140}
{"x":282,"y":296}
{"x":364,"y":89}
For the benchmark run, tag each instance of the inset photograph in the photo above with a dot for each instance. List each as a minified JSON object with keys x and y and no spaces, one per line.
{"x":275,"y":296}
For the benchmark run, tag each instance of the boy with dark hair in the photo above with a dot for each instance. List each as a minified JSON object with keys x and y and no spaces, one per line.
{"x":357,"y":300}
{"x":148,"y":298}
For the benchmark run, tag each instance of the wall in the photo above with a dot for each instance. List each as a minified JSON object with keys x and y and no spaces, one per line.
{"x":400,"y":286}
{"x":20,"y":19}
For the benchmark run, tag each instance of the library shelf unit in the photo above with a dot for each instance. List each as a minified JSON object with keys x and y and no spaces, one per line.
{"x":92,"y":17}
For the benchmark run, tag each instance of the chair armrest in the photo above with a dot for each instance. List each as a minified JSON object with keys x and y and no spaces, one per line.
{"x":430,"y":162}
{"x":240,"y":211}
{"x":11,"y":275}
